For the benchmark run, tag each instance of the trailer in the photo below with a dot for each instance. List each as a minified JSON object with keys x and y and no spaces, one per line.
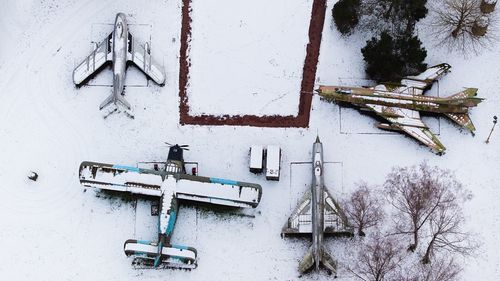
{"x":273,"y":162}
{"x":256,"y":158}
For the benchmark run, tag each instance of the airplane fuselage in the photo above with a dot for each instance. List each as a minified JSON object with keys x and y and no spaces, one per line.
{"x":120,"y":49}
{"x":364,"y":96}
{"x":317,"y":201}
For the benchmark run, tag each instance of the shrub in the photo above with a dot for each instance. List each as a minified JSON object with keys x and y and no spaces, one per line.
{"x":345,"y":15}
{"x":389,"y":59}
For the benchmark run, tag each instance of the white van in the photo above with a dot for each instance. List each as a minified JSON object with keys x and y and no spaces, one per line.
{"x":273,"y":159}
{"x":256,"y":158}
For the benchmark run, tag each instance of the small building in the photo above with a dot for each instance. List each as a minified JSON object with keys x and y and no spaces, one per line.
{"x":256,"y":158}
{"x":273,"y":162}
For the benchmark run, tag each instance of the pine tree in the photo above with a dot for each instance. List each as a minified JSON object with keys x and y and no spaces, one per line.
{"x":345,"y":15}
{"x":389,"y":59}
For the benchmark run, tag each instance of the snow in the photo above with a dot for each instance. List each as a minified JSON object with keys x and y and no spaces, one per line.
{"x":50,"y":127}
{"x":223,"y":45}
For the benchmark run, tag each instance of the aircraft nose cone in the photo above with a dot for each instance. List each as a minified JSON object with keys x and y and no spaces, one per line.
{"x":120,"y":17}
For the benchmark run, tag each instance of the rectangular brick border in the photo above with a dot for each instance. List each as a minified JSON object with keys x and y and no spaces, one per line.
{"x":307,"y":86}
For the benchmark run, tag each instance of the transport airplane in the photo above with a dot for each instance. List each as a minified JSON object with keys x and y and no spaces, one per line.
{"x":170,"y":185}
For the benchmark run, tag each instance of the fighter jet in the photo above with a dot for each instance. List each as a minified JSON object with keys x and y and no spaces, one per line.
{"x":119,"y":47}
{"x":170,"y":184}
{"x":401,"y":104}
{"x":317,"y":214}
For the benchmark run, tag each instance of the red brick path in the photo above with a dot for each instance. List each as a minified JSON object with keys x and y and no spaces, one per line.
{"x":307,"y":85}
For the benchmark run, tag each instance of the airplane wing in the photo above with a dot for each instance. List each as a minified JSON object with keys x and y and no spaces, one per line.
{"x":425,"y":79}
{"x":102,"y":54}
{"x":335,"y":220}
{"x":408,"y":121}
{"x":218,"y":191}
{"x":142,"y":59}
{"x":121,"y":178}
{"x":300,"y":221}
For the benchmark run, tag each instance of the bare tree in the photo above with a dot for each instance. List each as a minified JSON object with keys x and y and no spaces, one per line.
{"x":377,"y":260}
{"x":364,"y":208}
{"x":416,"y":193}
{"x":460,"y":25}
{"x":441,"y":269}
{"x":445,"y":227}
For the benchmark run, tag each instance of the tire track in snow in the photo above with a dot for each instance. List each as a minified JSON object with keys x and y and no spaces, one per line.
{"x":62,"y":143}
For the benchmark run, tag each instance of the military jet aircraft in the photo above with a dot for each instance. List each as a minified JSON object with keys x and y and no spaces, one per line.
{"x":317,"y":214}
{"x":401,"y":104}
{"x":119,"y":47}
{"x":170,"y":184}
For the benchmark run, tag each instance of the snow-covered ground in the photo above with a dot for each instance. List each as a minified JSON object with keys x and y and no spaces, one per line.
{"x":53,"y":229}
{"x":226,"y":35}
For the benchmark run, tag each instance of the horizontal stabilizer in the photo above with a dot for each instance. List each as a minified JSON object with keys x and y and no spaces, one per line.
{"x":150,"y":254}
{"x":467,"y":93}
{"x":107,"y":101}
{"x":466,"y":98}
{"x":328,"y":262}
{"x":307,"y":262}
{"x":124,"y":102}
{"x":463,"y":120}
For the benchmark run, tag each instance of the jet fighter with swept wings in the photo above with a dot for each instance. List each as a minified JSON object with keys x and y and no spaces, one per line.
{"x":119,"y":47}
{"x":170,"y":185}
{"x":401,"y":105}
{"x":317,"y":214}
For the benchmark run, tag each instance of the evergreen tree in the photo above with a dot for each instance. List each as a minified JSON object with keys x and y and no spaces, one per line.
{"x":412,"y":54}
{"x":345,"y":15}
{"x":403,"y":11}
{"x":389,"y":59}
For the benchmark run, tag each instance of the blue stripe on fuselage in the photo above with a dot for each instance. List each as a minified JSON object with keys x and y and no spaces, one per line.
{"x":223,"y":181}
{"x":171,"y":223}
{"x":128,"y":168}
{"x":158,"y":255}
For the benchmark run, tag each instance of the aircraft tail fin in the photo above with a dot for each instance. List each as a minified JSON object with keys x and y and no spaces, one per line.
{"x":328,"y":262}
{"x":307,"y":262}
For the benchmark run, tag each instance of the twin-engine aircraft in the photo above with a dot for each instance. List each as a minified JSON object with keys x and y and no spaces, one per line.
{"x":317,"y":214}
{"x":119,"y":47}
{"x":401,"y":105}
{"x":170,"y":185}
